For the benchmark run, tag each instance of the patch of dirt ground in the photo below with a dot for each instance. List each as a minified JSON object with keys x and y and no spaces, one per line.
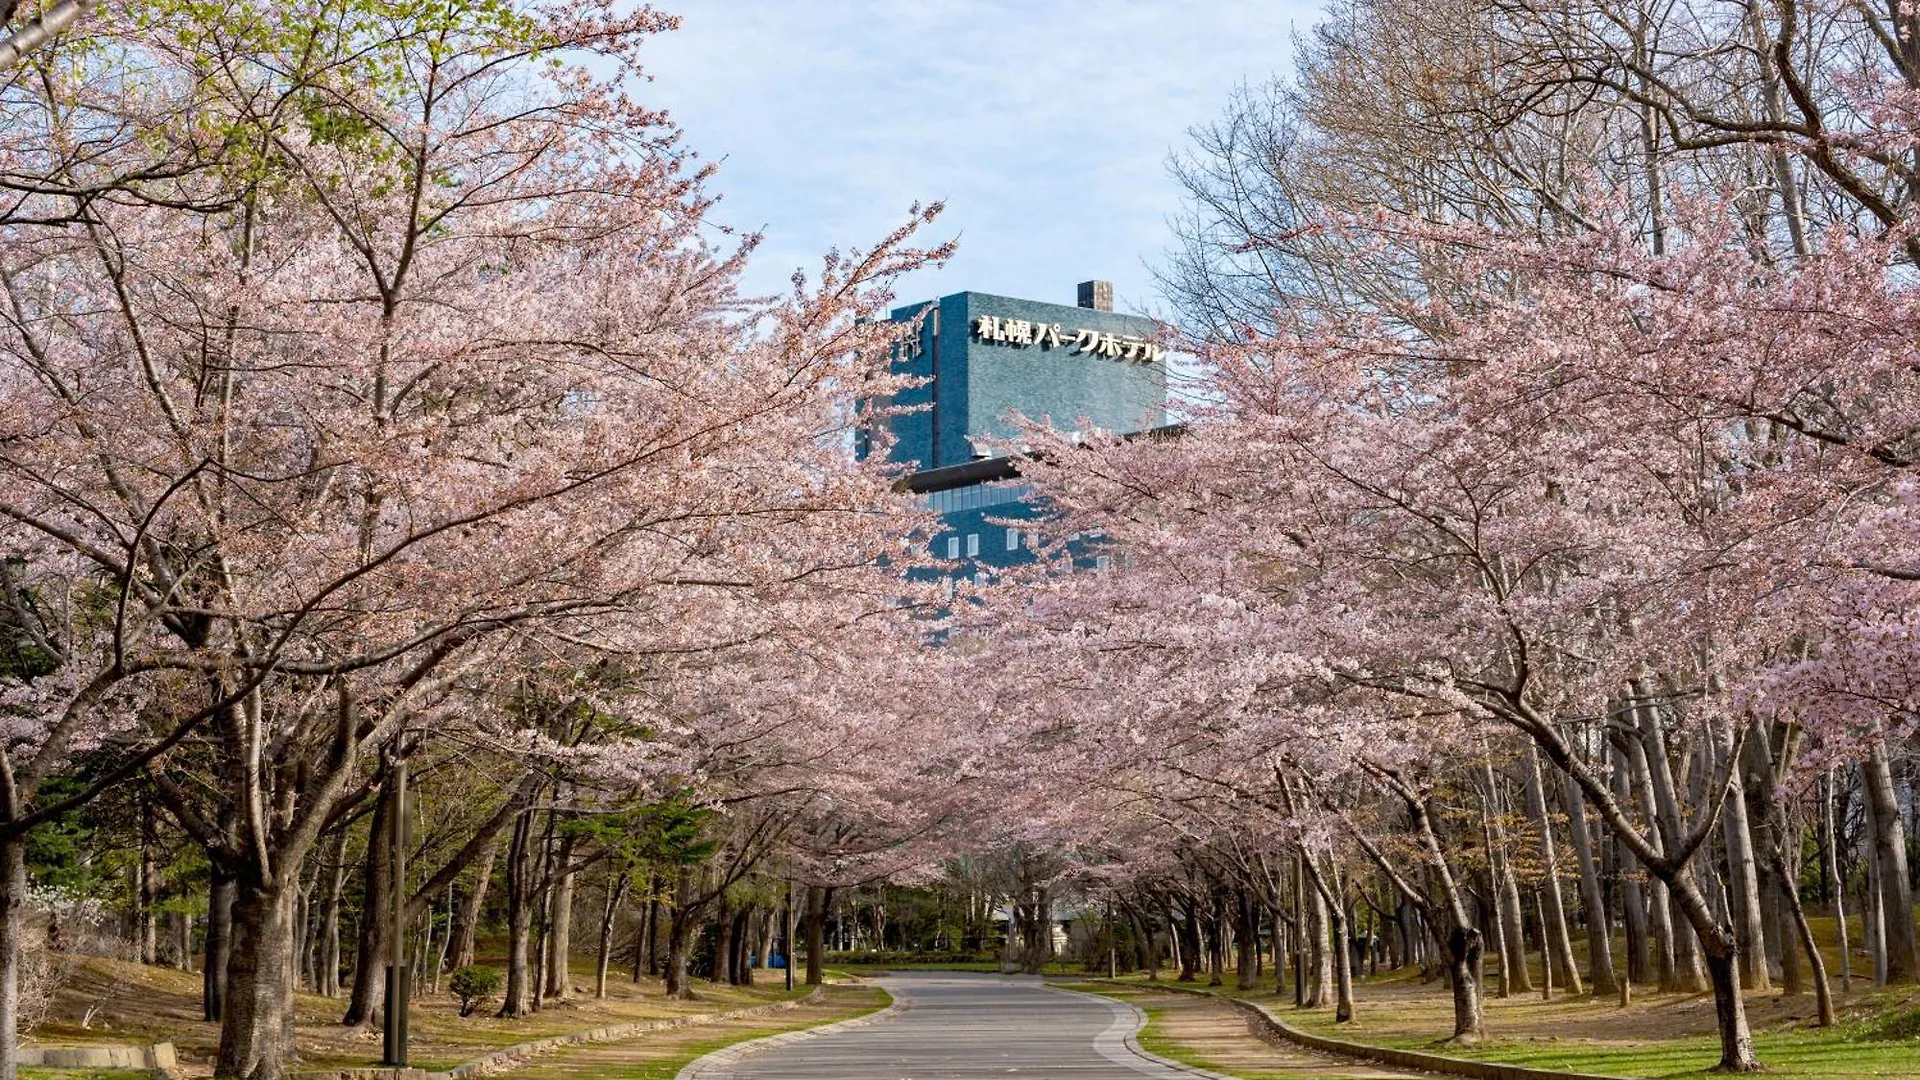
{"x":116,"y":1002}
{"x":1217,"y":1036}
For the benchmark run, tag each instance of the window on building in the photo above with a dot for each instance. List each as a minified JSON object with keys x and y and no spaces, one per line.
{"x":980,"y":580}
{"x":953,"y":547}
{"x":973,"y":545}
{"x":1013,"y":539}
{"x":1101,"y":562}
{"x":949,"y":588}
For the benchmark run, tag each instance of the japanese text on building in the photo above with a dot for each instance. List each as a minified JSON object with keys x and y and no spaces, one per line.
{"x":1050,"y":336}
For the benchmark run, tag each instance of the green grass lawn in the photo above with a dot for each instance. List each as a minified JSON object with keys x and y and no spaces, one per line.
{"x":1666,"y":1036}
{"x":1877,"y":1046}
{"x":1787,"y":1057}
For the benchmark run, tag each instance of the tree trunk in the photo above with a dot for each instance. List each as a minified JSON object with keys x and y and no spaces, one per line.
{"x":1872,"y":907}
{"x":13,"y":916}
{"x":1342,"y":954}
{"x":146,"y":896}
{"x":1038,"y":933}
{"x":1832,"y":865}
{"x":1175,"y":944}
{"x":649,"y":935}
{"x":1777,"y":848}
{"x":679,"y":931}
{"x":1246,"y":932}
{"x":256,"y":1023}
{"x":1280,"y":951}
{"x":1507,"y":908}
{"x":818,"y":900}
{"x":1659,"y":900}
{"x":1599,"y":937}
{"x":1688,"y":975}
{"x":1320,"y":978}
{"x":1743,"y":885}
{"x":1465,"y":943}
{"x":473,"y":903}
{"x":1464,"y":948}
{"x":1890,"y":854}
{"x":1497,"y":897}
{"x":1559,"y":944}
{"x":1403,"y":931}
{"x":1547,"y":966}
{"x":369,"y":991}
{"x":218,"y":945}
{"x":1730,"y":1015}
{"x":1790,"y":892}
{"x":1633,"y":901}
{"x":722,"y":942}
{"x":616,"y":890}
{"x":1146,"y":955}
{"x":1188,"y":930}
{"x":306,"y":970}
{"x":446,"y":940}
{"x":327,"y":963}
{"x":183,"y":941}
{"x":1301,"y":935}
{"x":1216,"y":928}
{"x":740,"y":970}
{"x":560,"y":935}
{"x":520,"y":989}
{"x":1717,"y":939}
{"x":542,"y":941}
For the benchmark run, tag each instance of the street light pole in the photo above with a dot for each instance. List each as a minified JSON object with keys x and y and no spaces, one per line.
{"x":397,"y":985}
{"x":1113,"y":945}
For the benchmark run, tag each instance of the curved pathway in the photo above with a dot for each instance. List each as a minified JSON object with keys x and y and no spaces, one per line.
{"x":946,"y":1026}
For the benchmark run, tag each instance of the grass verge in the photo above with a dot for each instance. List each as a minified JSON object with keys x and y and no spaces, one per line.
{"x":1873,"y":1046}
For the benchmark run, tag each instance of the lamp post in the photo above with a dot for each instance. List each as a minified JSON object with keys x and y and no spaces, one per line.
{"x":395,"y":1045}
{"x":1113,"y":945}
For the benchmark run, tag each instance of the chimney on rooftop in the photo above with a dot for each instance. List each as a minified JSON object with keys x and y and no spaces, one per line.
{"x":1097,"y":295}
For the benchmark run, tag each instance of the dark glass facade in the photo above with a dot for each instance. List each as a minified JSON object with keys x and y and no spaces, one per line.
{"x":990,"y":357}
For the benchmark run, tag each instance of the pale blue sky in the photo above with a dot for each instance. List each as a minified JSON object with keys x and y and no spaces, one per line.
{"x":1044,"y":125}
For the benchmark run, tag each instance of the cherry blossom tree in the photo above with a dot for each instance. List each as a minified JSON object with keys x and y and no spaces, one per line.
{"x":1607,"y":489}
{"x":447,"y":367}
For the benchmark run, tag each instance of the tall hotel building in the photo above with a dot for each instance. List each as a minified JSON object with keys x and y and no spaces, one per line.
{"x":988,"y":357}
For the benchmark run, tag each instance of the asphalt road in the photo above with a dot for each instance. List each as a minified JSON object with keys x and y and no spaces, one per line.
{"x":960,"y":1027}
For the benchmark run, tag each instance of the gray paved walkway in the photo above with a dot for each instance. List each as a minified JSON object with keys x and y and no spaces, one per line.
{"x":963,"y":1027}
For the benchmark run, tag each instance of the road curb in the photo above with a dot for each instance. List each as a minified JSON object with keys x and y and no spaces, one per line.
{"x":1418,"y":1060}
{"x":727,"y":1056}
{"x":1131,"y":1040}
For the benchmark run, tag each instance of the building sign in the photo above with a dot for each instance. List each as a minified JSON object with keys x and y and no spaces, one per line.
{"x":1050,"y":336}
